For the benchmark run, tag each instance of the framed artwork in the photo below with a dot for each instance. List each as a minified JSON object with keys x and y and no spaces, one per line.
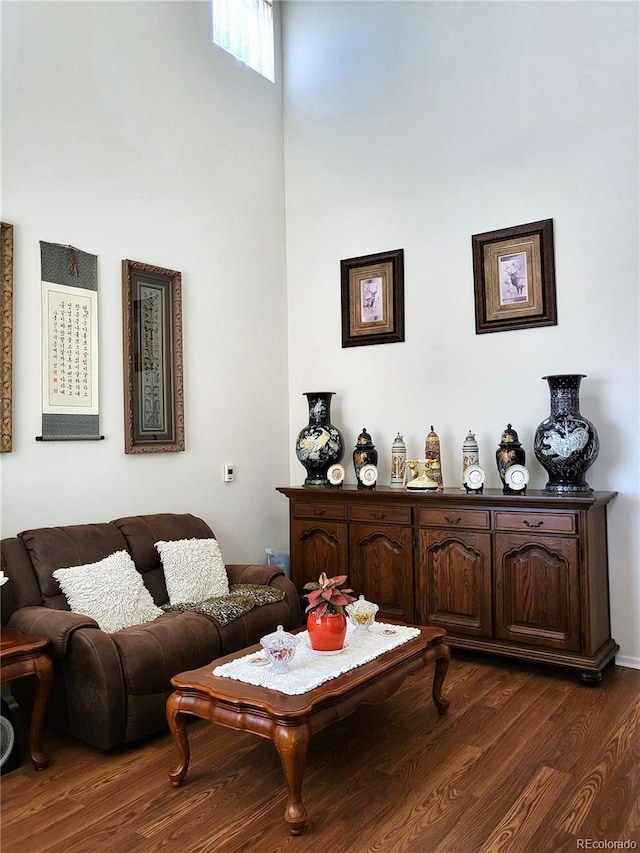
{"x":6,"y":337}
{"x":152,"y":334}
{"x":514,"y":278}
{"x":373,"y":299}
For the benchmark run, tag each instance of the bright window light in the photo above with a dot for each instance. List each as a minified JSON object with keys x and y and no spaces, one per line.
{"x":245,"y":29}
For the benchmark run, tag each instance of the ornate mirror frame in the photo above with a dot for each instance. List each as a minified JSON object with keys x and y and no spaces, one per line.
{"x":6,"y":337}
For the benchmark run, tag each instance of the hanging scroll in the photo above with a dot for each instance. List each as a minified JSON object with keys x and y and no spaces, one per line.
{"x":69,"y":344}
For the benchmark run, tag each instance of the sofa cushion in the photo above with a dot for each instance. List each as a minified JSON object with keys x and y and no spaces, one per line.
{"x":52,"y":548}
{"x":110,"y":591}
{"x":194,"y":570}
{"x":151,"y":654}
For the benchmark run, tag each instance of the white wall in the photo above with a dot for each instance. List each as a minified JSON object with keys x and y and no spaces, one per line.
{"x":415,"y":125}
{"x":127,"y":134}
{"x":408,"y":125}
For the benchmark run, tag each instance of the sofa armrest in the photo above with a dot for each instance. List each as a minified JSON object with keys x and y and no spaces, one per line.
{"x":53,"y":625}
{"x":250,"y":573}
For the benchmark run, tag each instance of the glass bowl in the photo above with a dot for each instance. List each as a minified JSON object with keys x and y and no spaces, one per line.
{"x":280,"y":647}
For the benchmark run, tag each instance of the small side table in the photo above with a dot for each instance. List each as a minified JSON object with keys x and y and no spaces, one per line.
{"x":22,"y":655}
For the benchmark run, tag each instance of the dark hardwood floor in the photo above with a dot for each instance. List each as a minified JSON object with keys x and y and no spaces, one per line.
{"x":526,"y":760}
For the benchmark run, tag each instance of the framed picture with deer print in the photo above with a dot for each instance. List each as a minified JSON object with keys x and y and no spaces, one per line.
{"x":373,"y":299}
{"x":514,"y":278}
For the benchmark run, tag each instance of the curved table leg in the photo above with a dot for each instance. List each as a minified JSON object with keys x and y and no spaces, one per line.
{"x":178,"y":729}
{"x":43,"y":670}
{"x":292,"y":743}
{"x":442,"y":666}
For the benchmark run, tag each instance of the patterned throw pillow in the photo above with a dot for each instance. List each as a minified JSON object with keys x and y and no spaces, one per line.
{"x":110,"y":591}
{"x":193,"y":570}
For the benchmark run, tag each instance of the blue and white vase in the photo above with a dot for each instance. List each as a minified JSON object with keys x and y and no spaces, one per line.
{"x":319,"y":445}
{"x":566,"y":444}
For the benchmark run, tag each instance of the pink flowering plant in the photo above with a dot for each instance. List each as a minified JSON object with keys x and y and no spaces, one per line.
{"x":325,"y":599}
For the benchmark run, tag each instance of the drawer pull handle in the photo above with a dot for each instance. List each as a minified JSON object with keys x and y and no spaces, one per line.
{"x":529,"y":524}
{"x":452,"y":520}
{"x":319,"y":511}
{"x":379,"y":514}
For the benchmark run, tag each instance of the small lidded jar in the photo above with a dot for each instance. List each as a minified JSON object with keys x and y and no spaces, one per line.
{"x":280,"y":647}
{"x":362,"y":614}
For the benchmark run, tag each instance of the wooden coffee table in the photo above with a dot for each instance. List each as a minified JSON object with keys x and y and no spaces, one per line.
{"x":290,"y":720}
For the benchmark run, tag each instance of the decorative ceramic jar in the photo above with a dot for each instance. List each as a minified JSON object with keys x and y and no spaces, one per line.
{"x":470,"y":454}
{"x":566,"y":444}
{"x":320,"y":444}
{"x":327,"y":633}
{"x":509,"y":452}
{"x":362,"y":614}
{"x":398,"y":462}
{"x":364,"y":453}
{"x":280,"y":647}
{"x":432,"y":453}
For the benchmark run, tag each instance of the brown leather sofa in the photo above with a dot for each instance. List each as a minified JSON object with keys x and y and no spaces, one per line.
{"x":110,"y":689}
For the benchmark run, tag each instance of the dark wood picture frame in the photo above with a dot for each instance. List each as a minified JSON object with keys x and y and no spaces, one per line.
{"x":6,"y":337}
{"x":373,"y":299}
{"x":152,"y":345}
{"x":514,"y":278}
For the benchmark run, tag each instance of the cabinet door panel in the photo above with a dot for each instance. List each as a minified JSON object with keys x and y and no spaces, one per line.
{"x":315,"y":548}
{"x":381,"y":568}
{"x":537,"y":590}
{"x":453,"y":586}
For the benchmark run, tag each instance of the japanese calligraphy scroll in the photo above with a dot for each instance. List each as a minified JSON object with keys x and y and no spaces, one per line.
{"x":69,"y":344}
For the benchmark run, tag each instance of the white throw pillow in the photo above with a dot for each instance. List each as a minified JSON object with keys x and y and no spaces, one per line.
{"x":193,"y":570}
{"x":110,"y":591}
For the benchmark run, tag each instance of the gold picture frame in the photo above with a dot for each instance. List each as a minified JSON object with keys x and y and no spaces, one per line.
{"x":514,"y":278}
{"x":6,"y":338}
{"x":373,"y":299}
{"x":152,"y":344}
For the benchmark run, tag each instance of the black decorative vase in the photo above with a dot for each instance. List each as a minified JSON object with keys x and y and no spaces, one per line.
{"x":319,"y":444}
{"x":566,"y":444}
{"x":509,"y":452}
{"x":364,"y":453}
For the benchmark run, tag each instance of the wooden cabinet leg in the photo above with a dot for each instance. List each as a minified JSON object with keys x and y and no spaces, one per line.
{"x":292,"y":743}
{"x":589,"y":677}
{"x":178,"y":729}
{"x":43,"y":670}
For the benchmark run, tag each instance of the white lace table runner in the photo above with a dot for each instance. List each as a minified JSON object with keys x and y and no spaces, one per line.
{"x":310,"y":668}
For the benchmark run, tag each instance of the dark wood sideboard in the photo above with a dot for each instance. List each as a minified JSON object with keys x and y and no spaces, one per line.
{"x":524,"y":576}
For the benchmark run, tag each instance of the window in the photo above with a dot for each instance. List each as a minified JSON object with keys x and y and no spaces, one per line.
{"x":245,"y":29}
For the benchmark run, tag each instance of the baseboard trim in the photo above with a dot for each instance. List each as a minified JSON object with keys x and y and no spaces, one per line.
{"x":624,"y":660}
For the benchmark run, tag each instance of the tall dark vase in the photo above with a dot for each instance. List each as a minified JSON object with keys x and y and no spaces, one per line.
{"x":319,"y":444}
{"x":509,"y":452}
{"x":566,"y":444}
{"x":364,"y":453}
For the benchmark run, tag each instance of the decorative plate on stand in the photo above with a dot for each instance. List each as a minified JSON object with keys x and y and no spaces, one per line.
{"x":368,"y":476}
{"x":335,"y":474}
{"x":516,"y":478}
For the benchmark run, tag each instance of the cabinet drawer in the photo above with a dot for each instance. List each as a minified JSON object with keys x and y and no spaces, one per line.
{"x":388,"y":514}
{"x":320,"y":509}
{"x":477,"y":519}
{"x":543,"y":522}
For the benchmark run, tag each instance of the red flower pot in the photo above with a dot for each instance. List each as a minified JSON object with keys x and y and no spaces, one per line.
{"x":327,"y":633}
